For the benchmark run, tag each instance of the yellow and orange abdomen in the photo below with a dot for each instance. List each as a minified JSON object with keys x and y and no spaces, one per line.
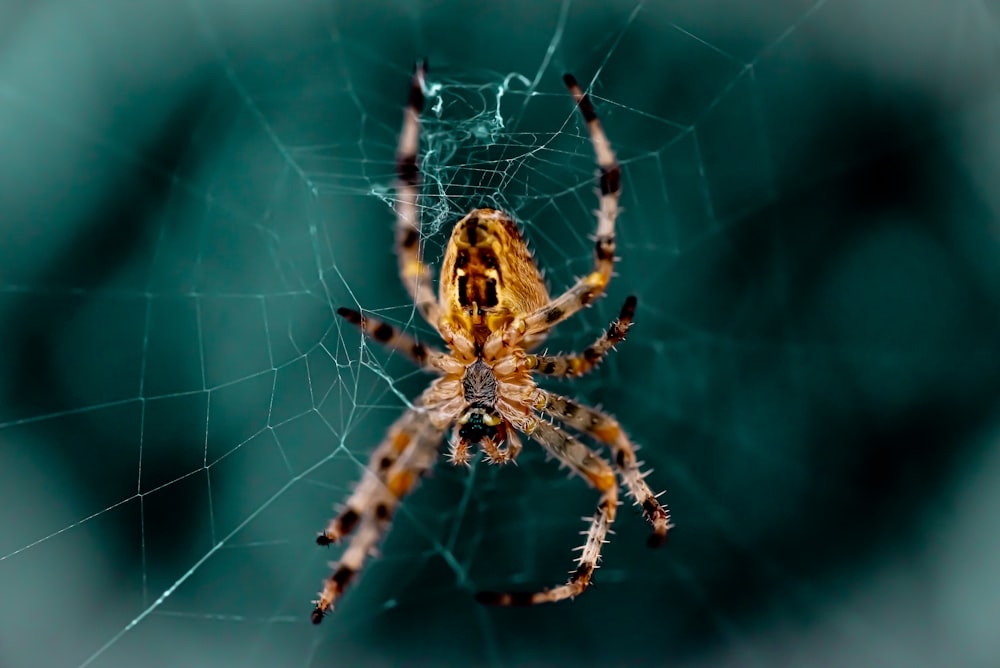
{"x":488,"y":274}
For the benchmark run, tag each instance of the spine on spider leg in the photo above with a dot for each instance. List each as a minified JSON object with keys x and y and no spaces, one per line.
{"x":634,"y":477}
{"x":615,"y":334}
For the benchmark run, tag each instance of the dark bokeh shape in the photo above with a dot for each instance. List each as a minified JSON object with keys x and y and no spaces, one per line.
{"x":111,"y":239}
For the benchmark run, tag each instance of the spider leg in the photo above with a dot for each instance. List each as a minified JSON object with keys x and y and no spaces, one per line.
{"x":606,"y":429}
{"x":416,"y":275}
{"x":599,"y":474}
{"x":404,"y":432}
{"x":592,"y":286}
{"x":392,"y":337}
{"x":587,"y":361}
{"x":374,"y":511}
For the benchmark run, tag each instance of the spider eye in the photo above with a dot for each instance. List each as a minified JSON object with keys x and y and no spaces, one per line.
{"x":477,"y":425}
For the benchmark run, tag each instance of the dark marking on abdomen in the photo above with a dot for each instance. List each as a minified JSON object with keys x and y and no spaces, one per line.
{"x":490,"y":299}
{"x":477,"y":271}
{"x":488,"y":258}
{"x":472,"y":229}
{"x":477,"y":289}
{"x":463,"y":292}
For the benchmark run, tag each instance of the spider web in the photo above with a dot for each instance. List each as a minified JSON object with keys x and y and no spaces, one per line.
{"x":190,"y":192}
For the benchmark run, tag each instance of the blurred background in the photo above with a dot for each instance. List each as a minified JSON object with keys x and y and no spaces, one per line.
{"x":189,"y":190}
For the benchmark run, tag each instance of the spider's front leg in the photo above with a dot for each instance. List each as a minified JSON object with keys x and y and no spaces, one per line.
{"x":599,"y":475}
{"x":413,"y":439}
{"x":606,"y":429}
{"x":402,"y":434}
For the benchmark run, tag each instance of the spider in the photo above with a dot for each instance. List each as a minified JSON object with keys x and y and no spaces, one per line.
{"x":492,"y":308}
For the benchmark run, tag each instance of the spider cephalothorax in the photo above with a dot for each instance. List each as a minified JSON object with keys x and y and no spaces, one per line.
{"x":492,"y":308}
{"x":480,"y":420}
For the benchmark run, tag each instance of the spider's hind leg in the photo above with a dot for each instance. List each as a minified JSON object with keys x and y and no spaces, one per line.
{"x":415,"y":274}
{"x":592,"y":286}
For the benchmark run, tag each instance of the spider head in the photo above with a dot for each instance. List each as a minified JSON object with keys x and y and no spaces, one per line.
{"x":479,"y":422}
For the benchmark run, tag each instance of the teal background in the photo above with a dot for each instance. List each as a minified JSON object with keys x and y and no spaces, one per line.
{"x":188,"y":191}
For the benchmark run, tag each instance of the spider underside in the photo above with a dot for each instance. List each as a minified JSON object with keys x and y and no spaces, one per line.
{"x":491,"y":309}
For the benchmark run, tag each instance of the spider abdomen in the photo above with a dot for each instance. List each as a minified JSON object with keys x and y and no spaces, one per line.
{"x":488,"y":274}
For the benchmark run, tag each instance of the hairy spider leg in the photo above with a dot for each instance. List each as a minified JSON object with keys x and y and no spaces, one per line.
{"x":416,"y":275}
{"x":392,"y":337}
{"x":606,"y":429}
{"x":590,"y":287}
{"x":375,"y":504}
{"x":578,"y":364}
{"x":598,"y":473}
{"x":404,"y":432}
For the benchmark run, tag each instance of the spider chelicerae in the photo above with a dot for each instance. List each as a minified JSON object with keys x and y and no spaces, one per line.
{"x":491,"y":309}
